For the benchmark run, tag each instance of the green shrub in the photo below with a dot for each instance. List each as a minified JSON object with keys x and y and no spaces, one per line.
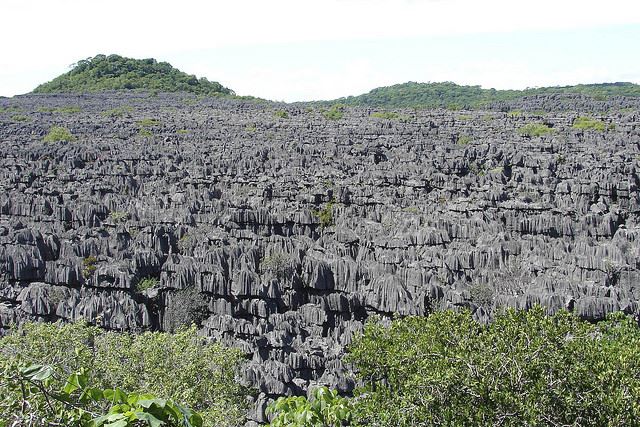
{"x":147,"y":283}
{"x":78,"y":403}
{"x":524,"y":368}
{"x":145,"y":133}
{"x":324,"y":409}
{"x":277,"y":264}
{"x":463,"y":139}
{"x":118,"y":216}
{"x":387,"y":115}
{"x":280,"y":114}
{"x":336,"y":112}
{"x":588,"y":123}
{"x":58,"y":134}
{"x":534,"y":130}
{"x":89,"y":266}
{"x":182,"y":367}
{"x":325,"y":215}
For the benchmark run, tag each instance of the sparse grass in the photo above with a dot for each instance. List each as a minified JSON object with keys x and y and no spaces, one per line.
{"x":412,"y":210}
{"x":463,"y":139}
{"x":251,"y":128}
{"x":182,"y":132}
{"x":514,"y":114}
{"x":118,"y":111}
{"x":149,"y":122}
{"x":588,"y":123}
{"x":10,"y":109}
{"x":59,"y":134}
{"x":20,"y":118}
{"x":71,"y":109}
{"x":145,"y":133}
{"x":535,"y":130}
{"x":281,"y":114}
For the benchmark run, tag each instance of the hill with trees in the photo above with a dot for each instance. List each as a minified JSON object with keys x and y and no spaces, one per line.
{"x":451,"y":95}
{"x":115,"y":72}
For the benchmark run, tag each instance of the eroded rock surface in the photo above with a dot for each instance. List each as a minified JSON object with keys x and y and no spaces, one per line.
{"x":282,"y":235}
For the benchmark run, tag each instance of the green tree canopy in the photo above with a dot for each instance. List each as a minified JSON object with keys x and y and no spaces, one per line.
{"x":525,"y":368}
{"x":115,"y":72}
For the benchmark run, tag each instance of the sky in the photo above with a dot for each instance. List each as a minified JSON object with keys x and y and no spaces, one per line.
{"x":308,"y":50}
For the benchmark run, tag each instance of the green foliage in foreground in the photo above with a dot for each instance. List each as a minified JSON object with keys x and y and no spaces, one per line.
{"x":452,"y":96}
{"x":588,"y":123}
{"x":534,"y":130}
{"x":59,"y":134}
{"x":182,"y":367}
{"x":324,"y":409}
{"x":115,"y":72}
{"x":78,"y":403}
{"x":525,"y":368}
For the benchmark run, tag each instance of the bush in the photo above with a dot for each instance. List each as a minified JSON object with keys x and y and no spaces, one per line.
{"x":185,"y":307}
{"x":387,"y":115}
{"x":534,"y":130}
{"x":147,"y":283}
{"x":20,"y":118}
{"x":280,"y":114}
{"x":325,"y":215}
{"x":89,"y":266}
{"x":78,"y":403}
{"x":587,"y":123}
{"x":525,"y":368}
{"x":182,"y":367}
{"x":336,"y":112}
{"x":325,"y":408}
{"x":58,"y":134}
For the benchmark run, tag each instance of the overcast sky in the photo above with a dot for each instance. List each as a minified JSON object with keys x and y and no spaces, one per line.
{"x":307,"y":49}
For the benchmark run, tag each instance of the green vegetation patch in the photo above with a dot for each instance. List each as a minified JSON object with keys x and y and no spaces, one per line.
{"x":325,"y":215}
{"x":535,"y":130}
{"x":387,"y":115}
{"x":336,"y":112}
{"x":20,"y":118}
{"x":588,"y":123}
{"x":59,"y":134}
{"x":455,"y":97}
{"x":281,"y":114}
{"x":149,"y":122}
{"x":147,"y":283}
{"x":115,"y":72}
{"x":118,"y":111}
{"x":182,"y":367}
{"x":524,"y":368}
{"x":71,"y":109}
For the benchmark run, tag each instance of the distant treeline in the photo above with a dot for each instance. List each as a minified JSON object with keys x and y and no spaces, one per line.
{"x":453,"y":96}
{"x":115,"y":72}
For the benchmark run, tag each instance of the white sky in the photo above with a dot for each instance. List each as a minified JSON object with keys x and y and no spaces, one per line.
{"x":308,"y":49}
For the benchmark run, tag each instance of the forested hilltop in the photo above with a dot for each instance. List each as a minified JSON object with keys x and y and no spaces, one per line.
{"x":451,"y":95}
{"x":115,"y":72}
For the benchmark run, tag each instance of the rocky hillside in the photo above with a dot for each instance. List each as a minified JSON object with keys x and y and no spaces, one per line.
{"x":282,"y":228}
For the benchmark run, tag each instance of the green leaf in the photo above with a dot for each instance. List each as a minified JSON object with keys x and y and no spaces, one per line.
{"x":150,"y":419}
